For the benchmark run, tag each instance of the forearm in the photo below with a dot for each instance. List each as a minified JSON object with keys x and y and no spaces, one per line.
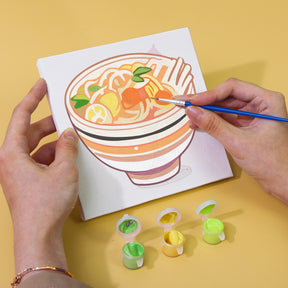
{"x":41,"y":188}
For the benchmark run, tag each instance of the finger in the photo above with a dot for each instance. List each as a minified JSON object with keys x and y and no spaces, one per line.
{"x":20,"y":120}
{"x":231,"y":102}
{"x":235,"y":120}
{"x":67,"y":148}
{"x":242,"y":91}
{"x":230,"y":118}
{"x":192,"y":125}
{"x":45,"y":154}
{"x":39,"y":130}
{"x":213,"y":124}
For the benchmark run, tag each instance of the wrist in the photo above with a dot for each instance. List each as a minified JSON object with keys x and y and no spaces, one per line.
{"x":276,"y":183}
{"x":20,"y":276}
{"x":277,"y":188}
{"x":37,"y":246}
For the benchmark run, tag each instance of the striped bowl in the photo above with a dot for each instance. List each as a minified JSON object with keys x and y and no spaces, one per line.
{"x":149,"y":152}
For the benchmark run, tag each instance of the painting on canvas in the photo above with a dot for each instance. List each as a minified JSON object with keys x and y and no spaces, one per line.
{"x":132,"y":146}
{"x":110,"y":107}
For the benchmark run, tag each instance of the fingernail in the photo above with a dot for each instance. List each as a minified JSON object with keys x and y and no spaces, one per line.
{"x":70,"y":133}
{"x":192,"y":125}
{"x":194,"y":113}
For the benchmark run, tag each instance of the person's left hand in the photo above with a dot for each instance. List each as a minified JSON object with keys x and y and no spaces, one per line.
{"x":41,"y":187}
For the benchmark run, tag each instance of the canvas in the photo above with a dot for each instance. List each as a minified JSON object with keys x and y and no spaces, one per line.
{"x":133,"y":148}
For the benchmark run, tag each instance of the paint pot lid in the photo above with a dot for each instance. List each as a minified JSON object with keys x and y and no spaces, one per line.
{"x":128,"y":227}
{"x":206,"y":208}
{"x":168,"y":217}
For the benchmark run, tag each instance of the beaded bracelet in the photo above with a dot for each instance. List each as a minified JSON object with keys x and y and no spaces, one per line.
{"x":18,"y":278}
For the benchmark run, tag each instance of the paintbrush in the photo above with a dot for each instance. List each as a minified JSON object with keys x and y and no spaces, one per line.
{"x":221,"y":109}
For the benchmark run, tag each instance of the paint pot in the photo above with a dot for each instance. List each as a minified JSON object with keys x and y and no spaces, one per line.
{"x":213,"y":229}
{"x":173,"y":240}
{"x":128,"y":227}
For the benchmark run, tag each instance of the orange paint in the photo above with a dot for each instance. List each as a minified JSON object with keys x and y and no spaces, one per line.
{"x":163,"y":94}
{"x":130,"y":150}
{"x":133,"y":98}
{"x":130,"y":97}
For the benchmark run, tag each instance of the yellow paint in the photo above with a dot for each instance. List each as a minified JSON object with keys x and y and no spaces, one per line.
{"x":98,"y":114}
{"x":132,"y":67}
{"x":151,"y":89}
{"x":153,"y":79}
{"x":110,"y":100}
{"x":137,"y":65}
{"x":169,"y":218}
{"x":126,"y":67}
{"x":173,"y":237}
{"x":173,"y":242}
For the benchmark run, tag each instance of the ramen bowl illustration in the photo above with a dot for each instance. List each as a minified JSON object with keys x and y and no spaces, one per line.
{"x":110,"y":107}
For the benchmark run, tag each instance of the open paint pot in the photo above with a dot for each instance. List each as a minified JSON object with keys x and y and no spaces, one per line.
{"x":128,"y":227}
{"x":173,"y":240}
{"x":213,"y":229}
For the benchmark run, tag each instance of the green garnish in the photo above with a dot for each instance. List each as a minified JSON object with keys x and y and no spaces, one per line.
{"x":94,"y":88}
{"x":81,"y":90}
{"x":80,"y":99}
{"x":137,"y":79}
{"x":140,"y":71}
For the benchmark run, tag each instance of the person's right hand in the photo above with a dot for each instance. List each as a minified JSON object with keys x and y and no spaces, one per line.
{"x":258,"y":146}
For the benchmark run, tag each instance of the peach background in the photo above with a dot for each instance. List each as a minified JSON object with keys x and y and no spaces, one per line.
{"x":245,"y":39}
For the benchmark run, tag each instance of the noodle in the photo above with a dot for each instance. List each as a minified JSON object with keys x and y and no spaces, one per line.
{"x":122,"y":95}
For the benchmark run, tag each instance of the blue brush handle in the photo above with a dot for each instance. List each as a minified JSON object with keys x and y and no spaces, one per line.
{"x":238,"y":112}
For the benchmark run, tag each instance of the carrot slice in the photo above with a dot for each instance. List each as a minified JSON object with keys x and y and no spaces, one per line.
{"x":130,"y":97}
{"x":163,"y":94}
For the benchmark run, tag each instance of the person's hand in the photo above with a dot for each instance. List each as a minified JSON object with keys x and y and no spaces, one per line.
{"x":258,"y":146}
{"x":41,"y":187}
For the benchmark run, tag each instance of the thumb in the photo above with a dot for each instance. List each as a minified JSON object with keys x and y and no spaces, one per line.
{"x":213,"y":124}
{"x":67,"y":147}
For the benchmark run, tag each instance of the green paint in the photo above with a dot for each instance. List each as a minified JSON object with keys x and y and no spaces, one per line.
{"x":94,"y":88}
{"x":133,"y":254}
{"x":137,"y":79}
{"x":133,"y":249}
{"x":78,"y":97}
{"x":140,"y":71}
{"x":128,"y":226}
{"x":212,"y":229}
{"x":207,"y":210}
{"x":81,"y":100}
{"x":213,"y":225}
{"x":80,"y":103}
{"x":81,"y":90}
